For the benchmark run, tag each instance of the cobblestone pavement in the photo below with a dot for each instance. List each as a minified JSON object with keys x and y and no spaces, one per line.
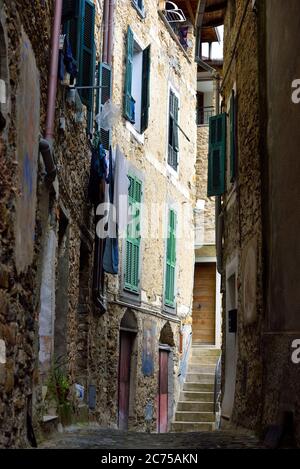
{"x":91,"y":437}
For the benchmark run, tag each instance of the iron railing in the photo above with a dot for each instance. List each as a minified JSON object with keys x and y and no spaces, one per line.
{"x":203,"y":114}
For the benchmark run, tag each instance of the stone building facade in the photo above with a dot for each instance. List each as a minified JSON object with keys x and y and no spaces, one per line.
{"x":156,"y":327}
{"x":257,"y":250}
{"x":60,"y":344}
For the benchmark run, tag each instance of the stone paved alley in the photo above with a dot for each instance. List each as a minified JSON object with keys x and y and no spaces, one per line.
{"x":92,"y":437}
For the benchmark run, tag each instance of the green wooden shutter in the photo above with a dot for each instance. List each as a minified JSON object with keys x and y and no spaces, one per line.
{"x":171,"y":261}
{"x":128,"y":100}
{"x":176,"y":143}
{"x":145,"y":89}
{"x":173,"y":145}
{"x":232,"y":118}
{"x":69,"y":9}
{"x":103,"y":95}
{"x":86,"y":76}
{"x":216,"y":155}
{"x":132,"y":254}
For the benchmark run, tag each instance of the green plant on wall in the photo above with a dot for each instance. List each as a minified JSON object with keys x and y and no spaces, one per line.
{"x":59,"y":391}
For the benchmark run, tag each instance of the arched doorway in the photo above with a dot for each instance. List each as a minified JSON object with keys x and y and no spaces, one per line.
{"x":127,"y":368}
{"x":165,"y":379}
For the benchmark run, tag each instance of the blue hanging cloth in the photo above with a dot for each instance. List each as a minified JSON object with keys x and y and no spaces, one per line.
{"x":98,"y":171}
{"x":111,"y":249}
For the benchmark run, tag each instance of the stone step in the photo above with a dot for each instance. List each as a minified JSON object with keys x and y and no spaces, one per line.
{"x":203,"y":361}
{"x":196,"y":396}
{"x":200,"y":378}
{"x":205,"y":352}
{"x":193,"y":368}
{"x":199,"y":387}
{"x":192,"y":427}
{"x":193,"y":406}
{"x":187,"y":416}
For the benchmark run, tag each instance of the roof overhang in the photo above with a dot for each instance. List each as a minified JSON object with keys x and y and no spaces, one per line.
{"x":211,"y":13}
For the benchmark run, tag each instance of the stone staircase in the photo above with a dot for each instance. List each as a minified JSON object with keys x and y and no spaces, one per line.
{"x":195,"y":409}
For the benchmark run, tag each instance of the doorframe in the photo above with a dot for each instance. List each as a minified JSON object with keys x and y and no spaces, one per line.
{"x":218,"y":299}
{"x":132,"y":371}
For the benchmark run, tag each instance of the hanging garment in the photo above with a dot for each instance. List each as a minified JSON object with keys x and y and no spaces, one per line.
{"x":98,"y":171}
{"x":121,"y":191}
{"x":111,"y":249}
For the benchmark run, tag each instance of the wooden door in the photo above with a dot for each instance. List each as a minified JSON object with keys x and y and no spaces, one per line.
{"x":163,"y":392}
{"x":126,"y":343}
{"x":204,"y":304}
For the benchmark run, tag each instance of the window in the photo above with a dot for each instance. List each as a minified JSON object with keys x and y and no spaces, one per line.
{"x":136,"y":90}
{"x":170,"y":261}
{"x":79,"y":26}
{"x":216,"y":155}
{"x":103,"y":95}
{"x":173,"y":145}
{"x":132,"y":243}
{"x":205,"y":101}
{"x":139,"y":5}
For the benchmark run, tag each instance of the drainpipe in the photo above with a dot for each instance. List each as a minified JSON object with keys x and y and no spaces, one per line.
{"x":105,"y":30}
{"x":110,"y":30}
{"x":52,"y":86}
{"x":45,"y":145}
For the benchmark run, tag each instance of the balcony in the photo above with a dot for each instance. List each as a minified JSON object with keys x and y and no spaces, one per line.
{"x":203,"y":114}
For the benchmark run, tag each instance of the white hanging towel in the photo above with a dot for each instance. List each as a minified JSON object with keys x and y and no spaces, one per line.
{"x":121,"y":192}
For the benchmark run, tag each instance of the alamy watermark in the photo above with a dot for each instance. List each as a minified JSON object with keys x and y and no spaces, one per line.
{"x":148,"y":221}
{"x":296,"y":352}
{"x":296,"y":92}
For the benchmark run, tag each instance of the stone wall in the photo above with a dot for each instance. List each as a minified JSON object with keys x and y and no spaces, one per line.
{"x":27,"y":34}
{"x":242,"y":211}
{"x":147,"y":154}
{"x":206,"y":215}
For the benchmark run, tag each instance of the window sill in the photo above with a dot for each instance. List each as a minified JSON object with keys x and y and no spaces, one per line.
{"x":130,"y":297}
{"x":140,"y":12}
{"x":139,"y":137}
{"x":169,"y":310}
{"x":172,"y":171}
{"x":173,"y":35}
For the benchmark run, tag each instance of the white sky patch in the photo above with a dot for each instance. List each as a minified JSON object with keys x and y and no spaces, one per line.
{"x":217,"y":48}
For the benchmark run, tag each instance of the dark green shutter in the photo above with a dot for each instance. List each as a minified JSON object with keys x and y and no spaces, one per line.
{"x":69,"y":9}
{"x":232,"y":117}
{"x":128,"y":100}
{"x":87,"y":52}
{"x":173,"y":145}
{"x":171,"y":261}
{"x":103,"y":95}
{"x":216,"y":155}
{"x":145,"y":89}
{"x":132,"y":254}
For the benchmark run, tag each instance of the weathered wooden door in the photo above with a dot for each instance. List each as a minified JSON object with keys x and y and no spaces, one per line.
{"x":126,"y":343}
{"x":204,"y":304}
{"x":163,"y":392}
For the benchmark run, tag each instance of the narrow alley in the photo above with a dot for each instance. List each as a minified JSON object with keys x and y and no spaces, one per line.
{"x":149,"y":224}
{"x":98,"y":438}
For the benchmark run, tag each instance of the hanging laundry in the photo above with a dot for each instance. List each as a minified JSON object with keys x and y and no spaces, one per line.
{"x":111,"y":249}
{"x":98,"y":171}
{"x":121,"y":191}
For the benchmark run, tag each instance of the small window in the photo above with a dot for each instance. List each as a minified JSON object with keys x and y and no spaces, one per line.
{"x":173,"y":144}
{"x":139,"y":5}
